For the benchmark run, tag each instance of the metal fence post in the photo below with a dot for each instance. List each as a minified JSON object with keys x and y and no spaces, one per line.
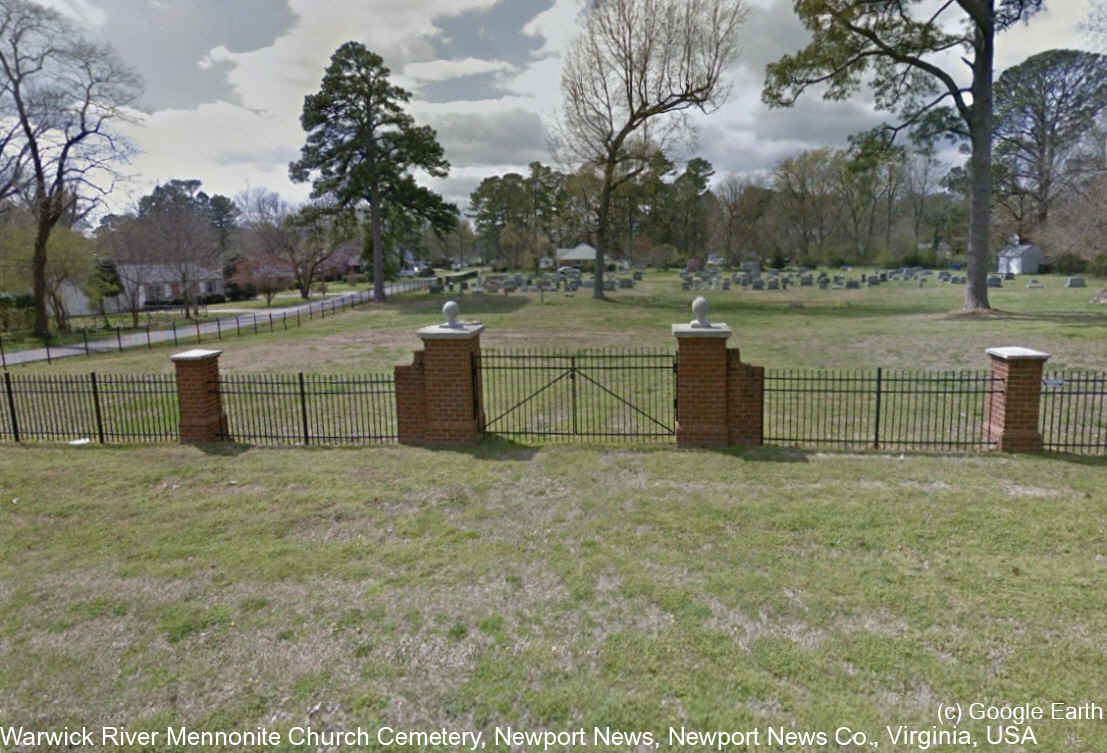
{"x":270,"y":321}
{"x":3,"y":355}
{"x":303,"y":409}
{"x":119,"y":338}
{"x":219,"y":330}
{"x":197,"y":330}
{"x":47,"y":341}
{"x":573,"y":382}
{"x":148,"y":344}
{"x":876,"y":428}
{"x":173,"y":324}
{"x":11,"y":405}
{"x":84,"y":334}
{"x":96,"y":403}
{"x":237,"y":326}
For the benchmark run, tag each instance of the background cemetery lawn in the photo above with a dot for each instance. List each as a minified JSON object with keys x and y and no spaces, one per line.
{"x":227,"y":587}
{"x":896,"y":325}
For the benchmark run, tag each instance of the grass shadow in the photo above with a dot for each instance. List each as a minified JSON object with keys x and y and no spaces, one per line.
{"x":225,"y":449}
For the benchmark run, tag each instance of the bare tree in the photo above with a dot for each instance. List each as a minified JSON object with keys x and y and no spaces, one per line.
{"x":62,"y":91}
{"x":179,"y":237}
{"x":120,"y":239}
{"x":630,"y":77}
{"x":302,"y":239}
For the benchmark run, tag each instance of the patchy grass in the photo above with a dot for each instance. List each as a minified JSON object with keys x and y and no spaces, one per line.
{"x":897,"y":325}
{"x":547,"y":588}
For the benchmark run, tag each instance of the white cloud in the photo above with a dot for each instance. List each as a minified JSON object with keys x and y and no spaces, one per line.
{"x":442,"y":70}
{"x":81,"y":11}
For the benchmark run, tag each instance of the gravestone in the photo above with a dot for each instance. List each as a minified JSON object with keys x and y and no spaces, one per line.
{"x":1009,"y":276}
{"x":625,"y":283}
{"x":609,"y":285}
{"x":1074,"y":282}
{"x":774,"y":284}
{"x":1034,"y":284}
{"x":806,"y":281}
{"x":823,"y":283}
{"x":726,"y":284}
{"x":853,"y":285}
{"x":637,"y":274}
{"x":589,"y":284}
{"x":995,"y":281}
{"x":758,"y":285}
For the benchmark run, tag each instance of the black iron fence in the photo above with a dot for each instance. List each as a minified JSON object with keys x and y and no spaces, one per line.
{"x":309,"y":408}
{"x":627,"y":394}
{"x":89,"y":407}
{"x":1074,"y":412}
{"x":83,"y":342}
{"x":888,"y":408}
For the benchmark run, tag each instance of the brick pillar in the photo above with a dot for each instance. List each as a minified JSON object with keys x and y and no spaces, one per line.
{"x":411,"y":401}
{"x":439,"y":397}
{"x":702,"y":407}
{"x":745,"y":400}
{"x":1013,"y":408}
{"x":199,"y":397}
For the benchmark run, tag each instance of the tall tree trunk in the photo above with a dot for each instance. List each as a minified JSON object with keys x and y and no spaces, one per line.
{"x":378,"y":245}
{"x":980,"y":207}
{"x":38,"y":267}
{"x":601,"y":229}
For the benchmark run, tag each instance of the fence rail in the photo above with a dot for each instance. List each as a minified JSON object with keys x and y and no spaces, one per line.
{"x":878,"y":408}
{"x":309,"y":408}
{"x":601,"y":394}
{"x":1073,"y":417}
{"x":95,"y":407}
{"x":79,"y":343}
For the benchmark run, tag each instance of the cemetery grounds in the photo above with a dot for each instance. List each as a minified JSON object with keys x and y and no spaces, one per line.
{"x":555,"y":587}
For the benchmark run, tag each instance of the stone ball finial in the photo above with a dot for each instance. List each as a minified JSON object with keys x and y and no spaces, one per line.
{"x":450,"y":310}
{"x":699,"y":308}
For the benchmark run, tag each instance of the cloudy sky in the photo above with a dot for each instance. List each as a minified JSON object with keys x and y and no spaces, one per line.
{"x":225,"y":81}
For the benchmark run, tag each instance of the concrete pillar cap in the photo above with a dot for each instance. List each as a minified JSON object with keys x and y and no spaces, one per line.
{"x":1015,"y":353}
{"x":196,"y":354}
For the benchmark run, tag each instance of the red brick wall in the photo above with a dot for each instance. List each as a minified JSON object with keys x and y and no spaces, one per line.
{"x":745,"y":397}
{"x":702,"y":392}
{"x":411,"y":401}
{"x":435,"y":394}
{"x":200,"y":401}
{"x":719,"y":398}
{"x":1015,"y":403}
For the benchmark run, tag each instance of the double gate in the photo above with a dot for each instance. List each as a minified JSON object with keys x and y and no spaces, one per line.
{"x":611,"y":395}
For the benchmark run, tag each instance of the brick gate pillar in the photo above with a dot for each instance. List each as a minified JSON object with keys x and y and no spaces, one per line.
{"x":1014,"y":402}
{"x":702,"y":411}
{"x":199,"y":397}
{"x":439,"y":398}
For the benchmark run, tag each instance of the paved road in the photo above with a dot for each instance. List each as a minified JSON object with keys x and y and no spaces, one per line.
{"x":280,"y":318}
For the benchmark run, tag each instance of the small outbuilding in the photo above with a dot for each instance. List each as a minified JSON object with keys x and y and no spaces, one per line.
{"x":1019,"y":258}
{"x":577,"y":256}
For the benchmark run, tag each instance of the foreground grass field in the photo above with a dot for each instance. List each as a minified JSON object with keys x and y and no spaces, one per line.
{"x":555,"y":588}
{"x":897,"y":325}
{"x":228,"y":587}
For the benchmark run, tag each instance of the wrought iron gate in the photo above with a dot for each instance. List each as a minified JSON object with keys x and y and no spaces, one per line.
{"x":600,"y":394}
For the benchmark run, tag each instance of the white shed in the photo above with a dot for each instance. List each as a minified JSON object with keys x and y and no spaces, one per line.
{"x":576,"y":256}
{"x":1020,"y":259}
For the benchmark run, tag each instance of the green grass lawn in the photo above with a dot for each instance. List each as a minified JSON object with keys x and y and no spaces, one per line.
{"x":896,"y":325}
{"x":555,"y":588}
{"x":566,"y":587}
